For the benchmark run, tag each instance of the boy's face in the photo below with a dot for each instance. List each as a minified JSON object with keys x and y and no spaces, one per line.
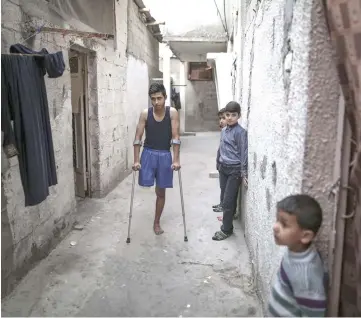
{"x":232,"y":118}
{"x":287,"y":232}
{"x":158,"y":100}
{"x":222,"y":121}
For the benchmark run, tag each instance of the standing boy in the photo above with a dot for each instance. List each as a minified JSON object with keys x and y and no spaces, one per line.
{"x":161,"y":125}
{"x":299,"y":288}
{"x":233,"y":167}
{"x":222,"y":124}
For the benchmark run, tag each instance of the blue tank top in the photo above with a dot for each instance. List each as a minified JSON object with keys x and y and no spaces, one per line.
{"x":158,"y":134}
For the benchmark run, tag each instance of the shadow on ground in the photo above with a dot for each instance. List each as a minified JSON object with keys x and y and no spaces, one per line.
{"x":93,"y":272}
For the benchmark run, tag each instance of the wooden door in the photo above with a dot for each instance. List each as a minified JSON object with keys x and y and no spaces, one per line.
{"x":77,"y":71}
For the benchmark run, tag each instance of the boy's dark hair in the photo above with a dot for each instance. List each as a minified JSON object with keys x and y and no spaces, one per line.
{"x":233,"y":107}
{"x":307,"y":210}
{"x":157,"y":88}
{"x":221,"y":111}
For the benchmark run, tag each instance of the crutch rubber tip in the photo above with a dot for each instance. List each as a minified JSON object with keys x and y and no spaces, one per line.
{"x":185,"y":239}
{"x":128,"y":240}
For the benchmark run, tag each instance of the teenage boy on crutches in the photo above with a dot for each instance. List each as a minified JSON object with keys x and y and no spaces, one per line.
{"x":161,"y":125}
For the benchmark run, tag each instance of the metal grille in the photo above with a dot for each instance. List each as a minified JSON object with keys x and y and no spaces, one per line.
{"x":74,"y":64}
{"x":199,"y":71}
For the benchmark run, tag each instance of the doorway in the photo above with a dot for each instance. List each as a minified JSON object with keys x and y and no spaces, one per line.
{"x":80,"y":123}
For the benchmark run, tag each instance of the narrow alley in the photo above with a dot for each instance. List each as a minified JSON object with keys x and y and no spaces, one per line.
{"x":77,"y":78}
{"x":93,"y":272}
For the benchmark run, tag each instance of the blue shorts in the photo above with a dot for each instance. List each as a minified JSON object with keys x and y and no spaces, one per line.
{"x":156,"y":164}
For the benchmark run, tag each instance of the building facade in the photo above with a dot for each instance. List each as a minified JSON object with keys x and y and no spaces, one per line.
{"x":111,"y":52}
{"x":287,"y":80}
{"x":184,"y":57}
{"x":287,"y":84}
{"x":279,"y":64}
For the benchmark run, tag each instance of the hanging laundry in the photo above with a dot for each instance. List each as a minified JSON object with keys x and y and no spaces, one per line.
{"x":53,"y":63}
{"x":175,"y":97}
{"x":26,"y":124}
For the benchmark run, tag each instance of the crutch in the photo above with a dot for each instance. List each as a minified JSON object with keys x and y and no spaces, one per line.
{"x":182,"y":202}
{"x":131,"y":207}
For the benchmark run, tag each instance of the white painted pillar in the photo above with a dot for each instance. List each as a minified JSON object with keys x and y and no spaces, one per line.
{"x":166,"y":74}
{"x":182,"y":95}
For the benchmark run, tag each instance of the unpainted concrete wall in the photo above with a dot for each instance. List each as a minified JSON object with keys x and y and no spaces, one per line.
{"x":141,"y":43}
{"x":201,"y":107}
{"x":28,"y":234}
{"x":289,"y":106}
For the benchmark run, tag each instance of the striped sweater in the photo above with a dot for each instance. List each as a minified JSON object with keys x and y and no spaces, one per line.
{"x":299,"y":288}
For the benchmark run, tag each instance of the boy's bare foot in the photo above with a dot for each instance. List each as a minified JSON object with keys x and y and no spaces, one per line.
{"x":157,"y":229}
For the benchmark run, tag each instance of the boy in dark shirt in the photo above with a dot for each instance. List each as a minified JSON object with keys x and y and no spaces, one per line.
{"x":233,"y":167}
{"x":222,"y":124}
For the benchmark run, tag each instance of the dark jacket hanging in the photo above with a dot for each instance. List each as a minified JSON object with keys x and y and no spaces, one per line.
{"x":53,"y":63}
{"x":24,"y":101}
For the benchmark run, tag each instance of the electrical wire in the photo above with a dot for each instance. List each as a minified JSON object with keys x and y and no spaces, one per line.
{"x":225,"y":17}
{"x":220,"y":16}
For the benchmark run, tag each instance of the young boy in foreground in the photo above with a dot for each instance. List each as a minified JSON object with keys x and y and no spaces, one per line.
{"x":222,"y":124}
{"x":233,"y":167}
{"x":299,"y":288}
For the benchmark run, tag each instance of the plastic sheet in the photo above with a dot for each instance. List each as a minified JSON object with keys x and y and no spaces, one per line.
{"x":82,"y":15}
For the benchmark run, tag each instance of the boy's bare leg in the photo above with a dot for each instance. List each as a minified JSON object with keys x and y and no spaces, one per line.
{"x":159,"y":206}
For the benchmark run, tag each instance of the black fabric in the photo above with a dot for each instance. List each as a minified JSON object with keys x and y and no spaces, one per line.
{"x":230,"y":180}
{"x":158,"y":135}
{"x":176,"y":99}
{"x":9,"y":144}
{"x":24,"y":101}
{"x":52,"y":63}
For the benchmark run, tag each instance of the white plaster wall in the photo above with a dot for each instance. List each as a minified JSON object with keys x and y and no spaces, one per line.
{"x":136,"y":100}
{"x":284,"y":90}
{"x":201,"y":109}
{"x":177,"y":70}
{"x":223,"y":78}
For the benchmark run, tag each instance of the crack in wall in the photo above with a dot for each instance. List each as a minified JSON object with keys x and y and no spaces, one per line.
{"x":250,"y":77}
{"x":287,"y":51}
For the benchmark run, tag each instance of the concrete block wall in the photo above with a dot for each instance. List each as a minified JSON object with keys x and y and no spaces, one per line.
{"x":289,"y":106}
{"x":141,"y":43}
{"x":28,"y":234}
{"x":142,"y":65}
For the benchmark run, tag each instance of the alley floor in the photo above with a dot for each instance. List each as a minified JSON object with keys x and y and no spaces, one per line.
{"x":93,"y":272}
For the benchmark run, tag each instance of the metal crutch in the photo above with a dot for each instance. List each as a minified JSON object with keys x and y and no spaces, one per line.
{"x":182,"y":202}
{"x":131,"y":207}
